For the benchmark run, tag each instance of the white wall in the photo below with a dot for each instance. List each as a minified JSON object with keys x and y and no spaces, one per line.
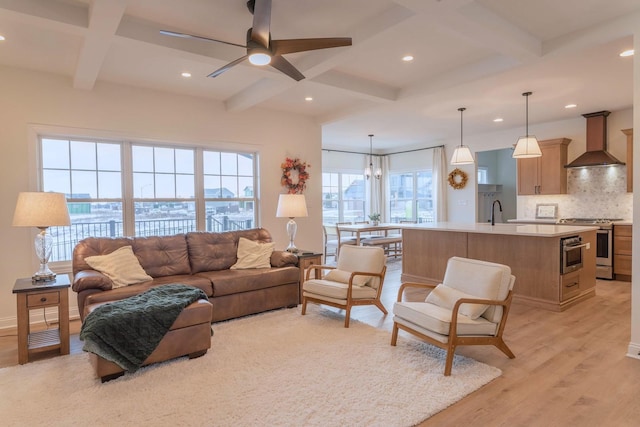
{"x":32,"y":98}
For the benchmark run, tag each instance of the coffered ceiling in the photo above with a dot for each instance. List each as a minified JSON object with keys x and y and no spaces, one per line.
{"x":478,"y":54}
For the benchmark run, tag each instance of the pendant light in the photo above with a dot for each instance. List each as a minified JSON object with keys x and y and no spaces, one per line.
{"x":368,"y":170}
{"x":462,"y":154}
{"x":527,"y":146}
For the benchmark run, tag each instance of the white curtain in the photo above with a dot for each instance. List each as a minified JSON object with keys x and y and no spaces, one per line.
{"x":439,"y":183}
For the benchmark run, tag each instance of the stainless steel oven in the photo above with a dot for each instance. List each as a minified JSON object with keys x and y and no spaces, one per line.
{"x":571,"y":254}
{"x":604,"y":243}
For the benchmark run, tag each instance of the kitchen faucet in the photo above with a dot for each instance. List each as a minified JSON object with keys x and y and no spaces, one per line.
{"x":493,"y":208}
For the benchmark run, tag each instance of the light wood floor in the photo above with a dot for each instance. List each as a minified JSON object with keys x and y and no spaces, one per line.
{"x":570,"y":368}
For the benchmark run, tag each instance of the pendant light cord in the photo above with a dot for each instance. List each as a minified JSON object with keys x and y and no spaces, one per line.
{"x":526,"y":95}
{"x":371,"y":152}
{"x":461,"y":109}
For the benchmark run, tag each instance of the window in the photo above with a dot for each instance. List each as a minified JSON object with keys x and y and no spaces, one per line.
{"x":343,"y":197}
{"x":117,"y":188}
{"x":411,"y":196}
{"x":483,"y":175}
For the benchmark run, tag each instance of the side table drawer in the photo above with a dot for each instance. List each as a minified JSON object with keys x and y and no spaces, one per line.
{"x":43,"y":299}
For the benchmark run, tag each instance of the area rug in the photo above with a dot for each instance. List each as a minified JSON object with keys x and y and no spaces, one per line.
{"x":274,"y":369}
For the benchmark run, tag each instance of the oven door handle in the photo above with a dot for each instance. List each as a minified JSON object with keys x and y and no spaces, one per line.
{"x":569,"y":248}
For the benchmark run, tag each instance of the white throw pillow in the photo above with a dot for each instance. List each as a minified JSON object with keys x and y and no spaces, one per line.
{"x":446,"y":297}
{"x":121,"y":266}
{"x":342,"y":276}
{"x":253,"y":254}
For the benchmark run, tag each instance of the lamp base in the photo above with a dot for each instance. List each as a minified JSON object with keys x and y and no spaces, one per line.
{"x":38,"y":277}
{"x":292,"y":249}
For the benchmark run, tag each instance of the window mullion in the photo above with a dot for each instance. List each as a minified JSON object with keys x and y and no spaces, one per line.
{"x":128,"y":207}
{"x":201,"y":211}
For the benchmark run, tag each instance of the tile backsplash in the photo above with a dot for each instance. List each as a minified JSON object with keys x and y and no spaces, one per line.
{"x":597,"y":192}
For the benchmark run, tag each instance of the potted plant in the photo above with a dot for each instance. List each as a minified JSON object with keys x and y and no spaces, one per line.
{"x":375,"y":218}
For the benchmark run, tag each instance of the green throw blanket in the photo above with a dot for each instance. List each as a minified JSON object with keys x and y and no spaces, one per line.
{"x":126,"y":332}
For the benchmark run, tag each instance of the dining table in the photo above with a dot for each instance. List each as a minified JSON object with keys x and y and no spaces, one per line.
{"x":358,"y":229}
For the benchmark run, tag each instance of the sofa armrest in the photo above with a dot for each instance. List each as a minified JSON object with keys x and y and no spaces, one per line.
{"x":91,"y":279}
{"x":283,"y":259}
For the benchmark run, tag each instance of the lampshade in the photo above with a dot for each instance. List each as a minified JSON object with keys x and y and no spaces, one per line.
{"x":462,"y":154}
{"x":527,"y":146}
{"x":291,"y":206}
{"x":37,"y":209}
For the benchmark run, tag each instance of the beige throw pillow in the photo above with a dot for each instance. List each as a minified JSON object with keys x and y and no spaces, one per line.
{"x":121,"y":266}
{"x":446,"y":297}
{"x":342,"y":276}
{"x":253,"y":254}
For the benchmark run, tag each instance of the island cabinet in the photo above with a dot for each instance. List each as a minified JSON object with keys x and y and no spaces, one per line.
{"x":534,"y":259}
{"x":622,"y":239}
{"x":545,"y":174}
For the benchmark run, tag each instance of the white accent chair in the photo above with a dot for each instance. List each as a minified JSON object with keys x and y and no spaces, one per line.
{"x":357,"y":279}
{"x":469,"y":307}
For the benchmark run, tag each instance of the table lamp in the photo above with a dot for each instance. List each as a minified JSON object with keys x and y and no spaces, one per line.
{"x":42,"y":210}
{"x":291,"y":206}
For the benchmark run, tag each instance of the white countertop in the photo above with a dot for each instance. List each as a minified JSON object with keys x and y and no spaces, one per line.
{"x":536,"y":230}
{"x":532,"y":221}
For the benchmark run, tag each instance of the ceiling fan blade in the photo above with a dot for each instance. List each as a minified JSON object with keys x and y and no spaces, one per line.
{"x":191,"y":36}
{"x":261,"y":22}
{"x":281,"y":47}
{"x":281,"y":64}
{"x":219,"y":71}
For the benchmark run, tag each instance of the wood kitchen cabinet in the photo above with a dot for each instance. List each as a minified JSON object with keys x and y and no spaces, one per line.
{"x":545,"y":174}
{"x":629,"y":133}
{"x":622,"y":238}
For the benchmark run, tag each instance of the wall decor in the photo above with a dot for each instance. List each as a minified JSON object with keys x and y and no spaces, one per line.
{"x":294,"y":175}
{"x":458,"y":179}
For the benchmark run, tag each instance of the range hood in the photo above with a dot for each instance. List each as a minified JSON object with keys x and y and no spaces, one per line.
{"x":596,"y":154}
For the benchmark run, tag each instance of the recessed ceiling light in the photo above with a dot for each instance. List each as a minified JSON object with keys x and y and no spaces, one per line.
{"x":498,"y":119}
{"x":186,"y":74}
{"x":1,"y":38}
{"x":571,"y":106}
{"x":308,"y":98}
{"x":628,"y":52}
{"x":407,"y":58}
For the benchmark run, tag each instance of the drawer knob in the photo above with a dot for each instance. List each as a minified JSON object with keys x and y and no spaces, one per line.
{"x":43,"y":299}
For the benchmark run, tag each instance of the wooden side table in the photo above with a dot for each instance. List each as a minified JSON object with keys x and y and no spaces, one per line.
{"x":305,"y":260}
{"x":36,"y":295}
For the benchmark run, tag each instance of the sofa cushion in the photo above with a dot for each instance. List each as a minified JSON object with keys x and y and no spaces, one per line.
{"x":131,"y":290}
{"x":163,"y":255}
{"x":218,"y":251}
{"x":227,"y":282}
{"x":253,"y":255}
{"x":121,"y":266}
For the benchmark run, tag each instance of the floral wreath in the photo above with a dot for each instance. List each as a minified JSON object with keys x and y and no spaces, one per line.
{"x":300,"y":167}
{"x":458,"y":179}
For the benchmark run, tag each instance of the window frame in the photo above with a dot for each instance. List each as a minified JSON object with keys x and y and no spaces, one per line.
{"x":36,"y":180}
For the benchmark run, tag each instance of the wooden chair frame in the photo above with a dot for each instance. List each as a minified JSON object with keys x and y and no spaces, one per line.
{"x":320,"y":270}
{"x":454,"y":339}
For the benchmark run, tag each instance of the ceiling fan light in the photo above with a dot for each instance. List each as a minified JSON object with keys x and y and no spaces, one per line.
{"x":526,"y":148}
{"x":260,"y":58}
{"x":462,"y":156}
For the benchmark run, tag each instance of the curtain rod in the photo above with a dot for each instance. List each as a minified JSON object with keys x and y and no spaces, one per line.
{"x":385,"y":154}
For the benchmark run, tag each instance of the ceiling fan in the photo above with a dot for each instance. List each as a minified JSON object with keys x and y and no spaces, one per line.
{"x":261,"y":50}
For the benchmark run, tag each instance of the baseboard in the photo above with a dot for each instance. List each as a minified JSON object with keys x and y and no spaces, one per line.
{"x":38,"y":317}
{"x":633,"y":350}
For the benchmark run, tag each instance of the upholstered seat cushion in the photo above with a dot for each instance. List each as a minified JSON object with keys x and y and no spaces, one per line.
{"x":438,"y":319}
{"x":336,"y":290}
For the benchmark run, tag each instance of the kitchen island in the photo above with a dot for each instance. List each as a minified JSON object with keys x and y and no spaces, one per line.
{"x":532,"y":252}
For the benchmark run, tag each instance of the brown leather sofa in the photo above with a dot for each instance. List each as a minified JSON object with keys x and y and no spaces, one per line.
{"x":199,"y":259}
